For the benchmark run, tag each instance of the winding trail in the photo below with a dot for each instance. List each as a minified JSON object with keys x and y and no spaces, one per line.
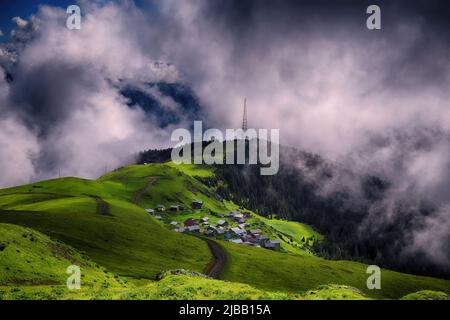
{"x":215,"y":268}
{"x":141,"y":192}
{"x":102,"y":206}
{"x":220,"y":257}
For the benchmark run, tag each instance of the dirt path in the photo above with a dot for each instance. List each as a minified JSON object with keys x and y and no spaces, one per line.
{"x":217,"y":265}
{"x":102,"y":206}
{"x":140,"y":193}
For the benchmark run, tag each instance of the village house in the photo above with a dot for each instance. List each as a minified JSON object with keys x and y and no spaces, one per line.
{"x":238,"y":231}
{"x":256,"y":231}
{"x":262,"y":240}
{"x":236,"y":216}
{"x":197,"y":204}
{"x":272,"y":244}
{"x":277,"y":243}
{"x":239,"y":241}
{"x":222,"y":223}
{"x":158,"y":217}
{"x":193,"y":229}
{"x":160,"y":207}
{"x":269,"y":245}
{"x":150,"y":211}
{"x":190,"y":223}
{"x":251,"y":239}
{"x":174,"y":223}
{"x":174,"y":208}
{"x":181,"y":230}
{"x":205,"y":219}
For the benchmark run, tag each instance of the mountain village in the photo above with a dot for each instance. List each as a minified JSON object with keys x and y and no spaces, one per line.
{"x":233,"y":226}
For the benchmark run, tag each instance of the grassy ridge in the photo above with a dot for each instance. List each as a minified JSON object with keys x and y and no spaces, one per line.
{"x":31,"y":258}
{"x":185,"y":287}
{"x":128,"y":242}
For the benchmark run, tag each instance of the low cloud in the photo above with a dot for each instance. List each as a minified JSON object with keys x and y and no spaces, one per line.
{"x":18,"y":144}
{"x":433,"y":239}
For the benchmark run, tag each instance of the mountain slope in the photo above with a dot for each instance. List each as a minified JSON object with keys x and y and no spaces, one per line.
{"x":295,"y":273}
{"x":126,"y":240}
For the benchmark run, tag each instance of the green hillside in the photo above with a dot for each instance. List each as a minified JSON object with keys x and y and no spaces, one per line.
{"x":32,"y":266}
{"x":127,"y":240}
{"x":106,"y":222}
{"x":31,"y":258}
{"x":426,"y":295}
{"x":295,"y":273}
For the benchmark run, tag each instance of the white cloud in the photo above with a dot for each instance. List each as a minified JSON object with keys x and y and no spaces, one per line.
{"x":66,"y":89}
{"x":20,"y":23}
{"x":18,"y":145}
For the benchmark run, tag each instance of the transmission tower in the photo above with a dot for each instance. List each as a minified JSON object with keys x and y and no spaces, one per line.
{"x":244,"y":120}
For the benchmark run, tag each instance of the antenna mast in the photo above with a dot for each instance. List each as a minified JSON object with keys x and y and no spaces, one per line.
{"x":244,"y":120}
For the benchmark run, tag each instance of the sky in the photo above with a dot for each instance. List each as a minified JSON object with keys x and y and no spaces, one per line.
{"x":375,"y":101}
{"x":10,"y":9}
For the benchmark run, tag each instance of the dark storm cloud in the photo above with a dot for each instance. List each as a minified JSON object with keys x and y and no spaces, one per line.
{"x":238,"y":16}
{"x":40,"y":92}
{"x":264,"y":23}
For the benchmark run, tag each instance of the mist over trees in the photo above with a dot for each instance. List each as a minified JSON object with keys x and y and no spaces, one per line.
{"x":344,"y":214}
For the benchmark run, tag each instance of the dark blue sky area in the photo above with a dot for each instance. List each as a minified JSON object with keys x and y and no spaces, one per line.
{"x":14,"y":8}
{"x":24,"y":8}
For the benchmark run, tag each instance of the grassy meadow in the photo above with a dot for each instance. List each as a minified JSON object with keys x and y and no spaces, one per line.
{"x":122,"y":248}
